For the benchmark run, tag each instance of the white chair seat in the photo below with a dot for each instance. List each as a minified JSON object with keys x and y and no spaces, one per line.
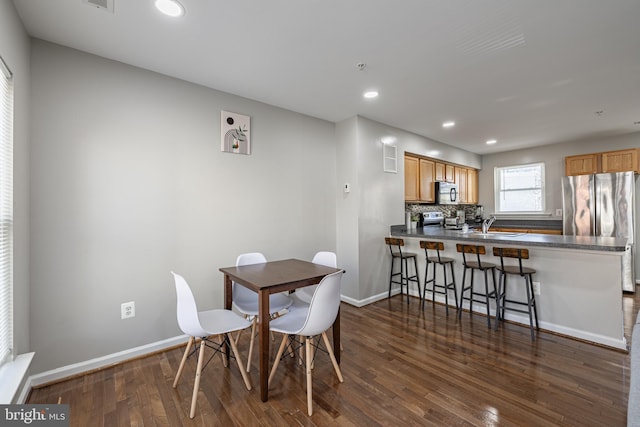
{"x":249,"y":307}
{"x":216,"y":322}
{"x":291,"y":323}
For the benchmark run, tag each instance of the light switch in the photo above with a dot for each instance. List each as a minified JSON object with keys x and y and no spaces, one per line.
{"x":347,"y":188}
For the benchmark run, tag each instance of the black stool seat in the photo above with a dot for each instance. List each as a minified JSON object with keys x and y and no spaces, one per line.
{"x":440,"y":288}
{"x":524,"y":272}
{"x":484,"y":267}
{"x":395,"y":249}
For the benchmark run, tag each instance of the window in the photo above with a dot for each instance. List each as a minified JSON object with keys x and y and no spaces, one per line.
{"x":520,"y":189}
{"x":6,"y":213}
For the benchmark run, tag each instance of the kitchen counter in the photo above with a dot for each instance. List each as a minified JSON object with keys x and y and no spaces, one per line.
{"x":580,"y":278}
{"x":588,"y":243}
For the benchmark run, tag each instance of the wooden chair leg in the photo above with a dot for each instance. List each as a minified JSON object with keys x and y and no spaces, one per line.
{"x":283,"y":344}
{"x":196,"y":385}
{"x":254,"y":323}
{"x":183,"y":361}
{"x":309,"y":379}
{"x":236,"y":353}
{"x":336,"y":367}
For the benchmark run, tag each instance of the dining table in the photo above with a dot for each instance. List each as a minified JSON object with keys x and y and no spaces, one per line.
{"x":270,"y":278}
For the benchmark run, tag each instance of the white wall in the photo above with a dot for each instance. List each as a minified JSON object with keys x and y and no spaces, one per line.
{"x":128,"y":183}
{"x":14,"y":48}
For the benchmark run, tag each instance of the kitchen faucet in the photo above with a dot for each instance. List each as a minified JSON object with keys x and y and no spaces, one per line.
{"x":487,"y":223}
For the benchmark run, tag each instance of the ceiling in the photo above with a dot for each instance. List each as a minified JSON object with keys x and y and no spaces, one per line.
{"x":523,"y":72}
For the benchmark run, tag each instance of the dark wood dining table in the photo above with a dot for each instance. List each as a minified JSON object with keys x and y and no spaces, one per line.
{"x":269,"y":278}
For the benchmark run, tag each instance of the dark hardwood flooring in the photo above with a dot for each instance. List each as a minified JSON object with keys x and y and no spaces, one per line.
{"x":401,"y":366}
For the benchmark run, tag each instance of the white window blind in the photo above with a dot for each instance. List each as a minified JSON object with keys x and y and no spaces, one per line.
{"x":6,"y":213}
{"x":519,"y":189}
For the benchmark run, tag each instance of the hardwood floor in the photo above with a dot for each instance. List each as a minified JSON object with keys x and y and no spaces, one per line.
{"x":401,"y":366}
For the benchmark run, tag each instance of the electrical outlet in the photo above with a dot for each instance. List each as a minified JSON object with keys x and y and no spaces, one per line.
{"x":128,"y":309}
{"x":536,"y":288}
{"x":558,"y":212}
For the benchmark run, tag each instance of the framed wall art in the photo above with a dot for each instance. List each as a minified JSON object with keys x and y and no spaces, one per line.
{"x":235,"y":133}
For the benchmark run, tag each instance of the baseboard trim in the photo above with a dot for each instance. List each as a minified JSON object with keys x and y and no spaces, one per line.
{"x":64,"y":372}
{"x":371,"y":299}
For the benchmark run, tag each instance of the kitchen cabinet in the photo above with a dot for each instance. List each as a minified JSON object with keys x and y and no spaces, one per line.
{"x":427,"y":175}
{"x":444,"y":172}
{"x":421,"y":174}
{"x":620,"y":161}
{"x":583,"y":164}
{"x":472,"y":186}
{"x":419,"y":179}
{"x":411,"y":179}
{"x":605,"y":162}
{"x":460,"y":175}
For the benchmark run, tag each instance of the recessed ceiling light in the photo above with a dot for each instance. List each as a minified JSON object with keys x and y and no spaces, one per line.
{"x":371,"y":94}
{"x":170,"y":7}
{"x":491,"y":141}
{"x":448,"y":124}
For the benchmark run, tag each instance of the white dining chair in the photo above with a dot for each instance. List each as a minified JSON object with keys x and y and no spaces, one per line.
{"x":200,"y":326}
{"x":319,"y":317}
{"x":302,"y":296}
{"x":245,"y":300}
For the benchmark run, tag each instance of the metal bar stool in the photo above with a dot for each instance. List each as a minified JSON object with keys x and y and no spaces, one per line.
{"x":395,"y":248}
{"x":483,"y":267}
{"x":445,"y":286}
{"x":522,"y":271}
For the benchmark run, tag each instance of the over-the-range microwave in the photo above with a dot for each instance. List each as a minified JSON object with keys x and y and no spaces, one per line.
{"x":446,"y":193}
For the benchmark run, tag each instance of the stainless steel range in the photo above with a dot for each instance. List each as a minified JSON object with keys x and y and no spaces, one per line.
{"x":432,"y":219}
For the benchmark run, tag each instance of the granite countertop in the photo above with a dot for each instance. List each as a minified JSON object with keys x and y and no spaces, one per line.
{"x":589,"y":243}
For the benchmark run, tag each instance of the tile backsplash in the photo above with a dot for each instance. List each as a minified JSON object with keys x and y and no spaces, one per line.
{"x":447,"y":210}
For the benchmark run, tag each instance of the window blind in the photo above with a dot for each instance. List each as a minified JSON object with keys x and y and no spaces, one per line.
{"x":6,"y":213}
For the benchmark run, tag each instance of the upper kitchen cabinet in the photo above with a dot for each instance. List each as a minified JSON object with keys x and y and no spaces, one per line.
{"x":427,"y":186}
{"x":421,"y":174}
{"x":411,"y":179}
{"x":620,"y":161}
{"x":419,"y":179}
{"x":444,"y":172}
{"x":582,"y":165}
{"x":606,"y":162}
{"x":461,"y":179}
{"x":472,"y":186}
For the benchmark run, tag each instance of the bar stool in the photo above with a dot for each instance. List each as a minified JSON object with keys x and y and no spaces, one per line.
{"x":395,"y":248}
{"x":525,"y":272}
{"x":444,"y":287}
{"x":483,"y":267}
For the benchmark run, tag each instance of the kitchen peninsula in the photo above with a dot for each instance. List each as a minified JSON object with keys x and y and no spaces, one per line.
{"x":580,"y":277}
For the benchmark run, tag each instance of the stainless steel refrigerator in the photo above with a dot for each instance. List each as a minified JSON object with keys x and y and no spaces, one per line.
{"x":602,"y":205}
